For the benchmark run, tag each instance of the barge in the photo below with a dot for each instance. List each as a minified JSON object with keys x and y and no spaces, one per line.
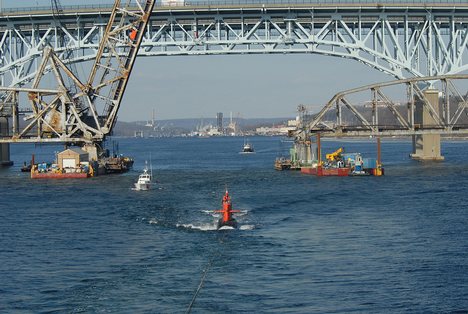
{"x":338,"y":163}
{"x":322,"y":172}
{"x":74,"y":163}
{"x":343,"y":164}
{"x":60,"y":174}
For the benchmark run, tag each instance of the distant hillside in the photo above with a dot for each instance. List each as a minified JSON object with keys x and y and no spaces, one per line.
{"x":179,"y":126}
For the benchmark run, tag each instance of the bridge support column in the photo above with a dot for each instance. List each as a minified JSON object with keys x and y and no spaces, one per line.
{"x":303,"y":152}
{"x":93,"y":152}
{"x":4,"y":148}
{"x":427,"y":146}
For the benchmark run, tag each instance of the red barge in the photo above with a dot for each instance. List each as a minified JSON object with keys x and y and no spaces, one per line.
{"x":343,"y":164}
{"x":321,"y":171}
{"x":59,"y":175}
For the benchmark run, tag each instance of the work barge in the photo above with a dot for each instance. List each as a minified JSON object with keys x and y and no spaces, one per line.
{"x":342,"y":164}
{"x":306,"y":157}
{"x":74,"y":163}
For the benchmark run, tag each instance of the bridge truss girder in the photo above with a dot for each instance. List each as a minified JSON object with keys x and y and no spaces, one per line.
{"x":410,"y":41}
{"x":402,"y":119}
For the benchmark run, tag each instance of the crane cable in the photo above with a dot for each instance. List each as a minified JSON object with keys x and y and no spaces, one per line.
{"x":205,"y":272}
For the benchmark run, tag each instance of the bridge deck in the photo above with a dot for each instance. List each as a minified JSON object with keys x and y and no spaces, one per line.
{"x":10,"y":13}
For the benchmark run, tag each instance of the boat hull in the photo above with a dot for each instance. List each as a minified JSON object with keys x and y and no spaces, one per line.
{"x":53,"y":175}
{"x":340,"y":172}
{"x":142,"y":186}
{"x":324,"y":172}
{"x":117,"y":164}
{"x":26,"y":168}
{"x":281,"y":165}
{"x":230,"y":223}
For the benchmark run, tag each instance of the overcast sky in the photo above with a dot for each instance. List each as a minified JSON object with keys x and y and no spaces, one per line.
{"x":252,"y":86}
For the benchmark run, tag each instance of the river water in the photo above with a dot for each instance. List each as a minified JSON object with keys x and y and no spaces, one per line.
{"x":397,"y":243}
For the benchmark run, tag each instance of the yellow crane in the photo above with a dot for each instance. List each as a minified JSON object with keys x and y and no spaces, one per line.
{"x":335,"y":155}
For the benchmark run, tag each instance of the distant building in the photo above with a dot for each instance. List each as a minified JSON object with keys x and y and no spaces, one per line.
{"x":138,"y":134}
{"x":219,"y":121}
{"x":275,"y":130}
{"x":293,"y":123}
{"x":232,"y":127}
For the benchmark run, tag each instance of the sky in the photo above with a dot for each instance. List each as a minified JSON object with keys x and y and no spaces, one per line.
{"x":249,"y":86}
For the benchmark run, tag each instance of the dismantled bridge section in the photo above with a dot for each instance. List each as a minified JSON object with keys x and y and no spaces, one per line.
{"x":424,"y":108}
{"x":73,"y":109}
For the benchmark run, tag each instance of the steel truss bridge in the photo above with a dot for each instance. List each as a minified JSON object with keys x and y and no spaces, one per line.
{"x":403,"y":40}
{"x":445,"y":112}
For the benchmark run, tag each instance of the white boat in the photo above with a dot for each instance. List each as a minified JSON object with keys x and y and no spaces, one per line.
{"x":248,"y":148}
{"x":144,"y":180}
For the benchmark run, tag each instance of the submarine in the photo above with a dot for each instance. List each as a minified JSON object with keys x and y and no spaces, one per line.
{"x":226,"y":220}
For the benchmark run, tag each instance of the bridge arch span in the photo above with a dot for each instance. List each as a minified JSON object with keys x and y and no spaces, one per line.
{"x":411,"y":41}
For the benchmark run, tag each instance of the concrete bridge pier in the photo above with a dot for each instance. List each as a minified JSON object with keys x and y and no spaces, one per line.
{"x":427,"y":146}
{"x":4,"y":148}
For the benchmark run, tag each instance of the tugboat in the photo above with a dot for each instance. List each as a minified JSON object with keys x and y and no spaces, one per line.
{"x":227,"y":219}
{"x":26,"y":168}
{"x":117,"y":164}
{"x":282,"y":164}
{"x":144,"y":180}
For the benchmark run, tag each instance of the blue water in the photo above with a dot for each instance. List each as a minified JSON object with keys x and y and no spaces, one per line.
{"x":396,"y":243}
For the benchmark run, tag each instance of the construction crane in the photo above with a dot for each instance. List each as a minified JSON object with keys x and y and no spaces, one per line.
{"x":335,"y":155}
{"x":57,"y":115}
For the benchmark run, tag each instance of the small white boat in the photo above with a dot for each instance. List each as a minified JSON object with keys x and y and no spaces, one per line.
{"x":144,"y":180}
{"x":247,"y":149}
